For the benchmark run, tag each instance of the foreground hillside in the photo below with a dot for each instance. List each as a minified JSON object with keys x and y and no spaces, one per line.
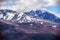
{"x":29,"y":31}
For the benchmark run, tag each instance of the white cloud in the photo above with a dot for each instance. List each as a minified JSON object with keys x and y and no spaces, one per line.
{"x":27,"y":5}
{"x":24,"y":5}
{"x":52,"y":2}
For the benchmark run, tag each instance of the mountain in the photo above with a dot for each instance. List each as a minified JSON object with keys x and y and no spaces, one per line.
{"x":24,"y":31}
{"x":44,"y":15}
{"x":6,"y":13}
{"x":38,"y":14}
{"x":29,"y":30}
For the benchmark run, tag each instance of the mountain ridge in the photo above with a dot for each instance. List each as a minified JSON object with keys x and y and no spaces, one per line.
{"x":38,"y":14}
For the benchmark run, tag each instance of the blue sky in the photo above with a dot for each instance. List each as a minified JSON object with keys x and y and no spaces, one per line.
{"x":28,"y":5}
{"x":11,"y":4}
{"x":54,"y":8}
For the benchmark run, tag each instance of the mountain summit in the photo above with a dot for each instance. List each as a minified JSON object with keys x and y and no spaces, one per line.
{"x":14,"y":16}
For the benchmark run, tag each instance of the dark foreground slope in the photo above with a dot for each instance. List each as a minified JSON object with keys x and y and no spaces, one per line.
{"x":36,"y":31}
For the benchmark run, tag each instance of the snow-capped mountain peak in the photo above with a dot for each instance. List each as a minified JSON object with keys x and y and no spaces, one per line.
{"x":28,"y":16}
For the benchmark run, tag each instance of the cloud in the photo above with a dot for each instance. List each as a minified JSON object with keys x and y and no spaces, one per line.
{"x":23,"y":5}
{"x":52,"y":2}
{"x":27,"y":5}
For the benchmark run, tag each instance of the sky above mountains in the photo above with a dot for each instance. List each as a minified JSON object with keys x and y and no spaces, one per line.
{"x":31,"y":4}
{"x":27,"y":5}
{"x":54,"y":8}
